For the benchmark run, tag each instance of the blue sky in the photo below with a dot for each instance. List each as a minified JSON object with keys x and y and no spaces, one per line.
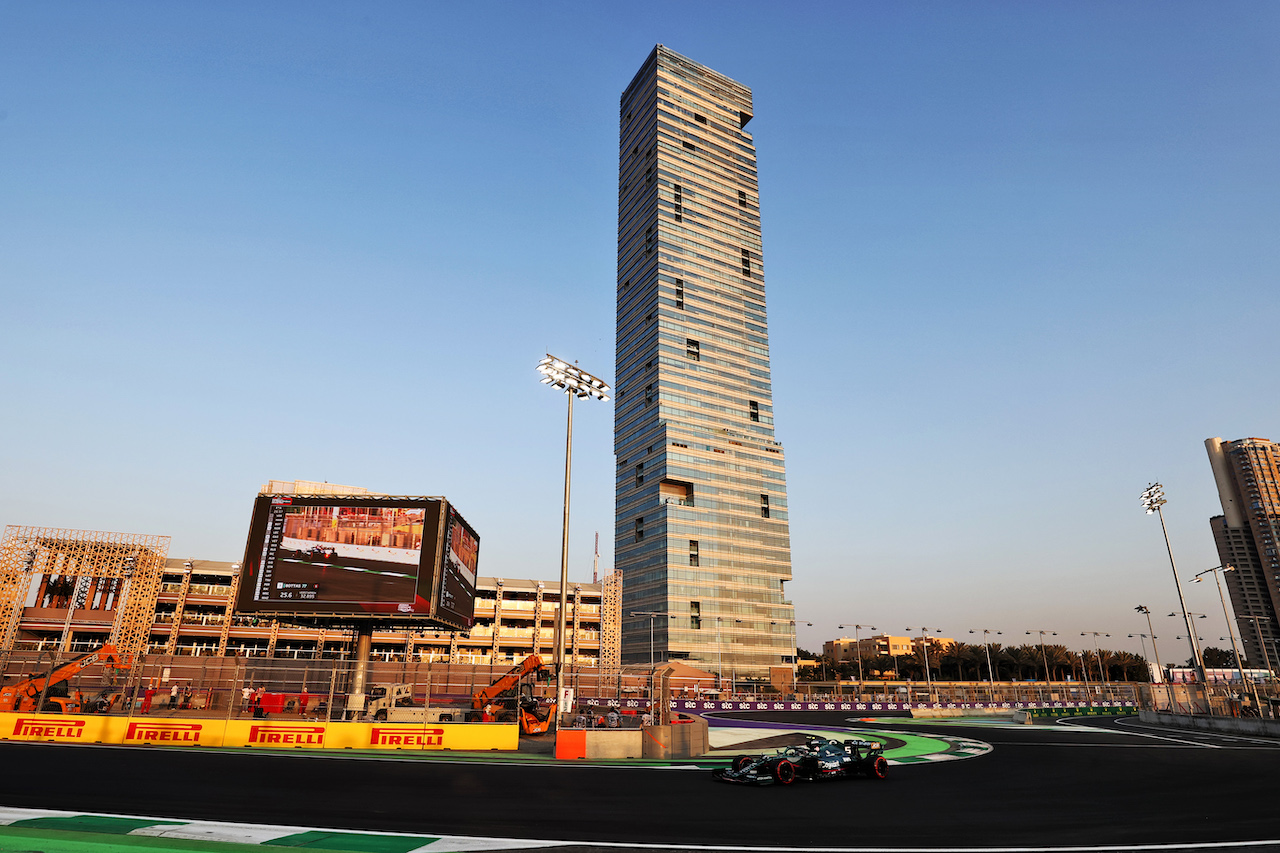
{"x":1021,"y":261}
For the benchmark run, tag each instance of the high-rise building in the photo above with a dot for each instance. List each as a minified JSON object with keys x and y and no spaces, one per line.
{"x":701,"y":534}
{"x":1248,"y":477}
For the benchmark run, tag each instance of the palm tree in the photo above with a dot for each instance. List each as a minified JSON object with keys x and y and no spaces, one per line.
{"x":1059,"y":658}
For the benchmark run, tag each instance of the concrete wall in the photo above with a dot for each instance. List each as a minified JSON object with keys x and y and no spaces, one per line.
{"x":685,"y":739}
{"x":599,"y":743}
{"x":1233,"y":725}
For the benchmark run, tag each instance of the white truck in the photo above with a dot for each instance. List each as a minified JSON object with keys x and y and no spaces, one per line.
{"x":393,"y":703}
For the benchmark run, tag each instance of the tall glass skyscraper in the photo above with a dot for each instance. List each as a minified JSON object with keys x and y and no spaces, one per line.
{"x":701,"y":533}
{"x":1247,"y":534}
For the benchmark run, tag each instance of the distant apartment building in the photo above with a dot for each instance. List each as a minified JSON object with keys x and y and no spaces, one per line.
{"x":847,"y":648}
{"x":194,"y":614}
{"x":702,"y":531}
{"x":1247,"y":473}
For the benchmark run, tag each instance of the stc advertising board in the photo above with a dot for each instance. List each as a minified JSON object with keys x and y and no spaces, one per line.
{"x":394,"y":558}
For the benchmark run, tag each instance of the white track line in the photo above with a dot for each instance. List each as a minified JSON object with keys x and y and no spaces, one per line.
{"x":249,"y":833}
{"x":1271,"y":742}
{"x":1143,"y":734}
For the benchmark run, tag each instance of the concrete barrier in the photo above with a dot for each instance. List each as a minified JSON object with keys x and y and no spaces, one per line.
{"x":1231,"y":725}
{"x":684,"y":738}
{"x":599,"y":743}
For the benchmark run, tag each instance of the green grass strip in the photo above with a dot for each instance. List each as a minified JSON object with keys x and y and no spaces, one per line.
{"x":350,"y":841}
{"x":25,"y":840}
{"x":93,"y":823}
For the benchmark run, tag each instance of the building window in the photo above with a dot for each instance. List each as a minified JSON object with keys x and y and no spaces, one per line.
{"x":700,"y":119}
{"x":688,"y":145}
{"x":679,"y":202}
{"x":753,"y":410}
{"x":640,"y":474}
{"x":746,"y":262}
{"x":764,"y":506}
{"x":742,"y":198}
{"x":693,"y":349}
{"x":639,"y":528}
{"x":695,"y":615}
{"x":680,"y":293}
{"x":648,"y":394}
{"x":693,"y":552}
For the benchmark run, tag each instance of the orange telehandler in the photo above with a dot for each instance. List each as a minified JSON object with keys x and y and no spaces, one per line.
{"x":534,"y":719}
{"x":24,"y":695}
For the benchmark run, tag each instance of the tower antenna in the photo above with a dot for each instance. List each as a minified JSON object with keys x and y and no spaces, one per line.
{"x":595,"y":565}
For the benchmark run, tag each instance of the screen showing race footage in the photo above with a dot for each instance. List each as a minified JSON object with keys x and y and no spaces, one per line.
{"x":325,"y":555}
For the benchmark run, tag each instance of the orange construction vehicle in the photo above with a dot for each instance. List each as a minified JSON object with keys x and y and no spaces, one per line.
{"x":516,"y":687}
{"x":24,"y":695}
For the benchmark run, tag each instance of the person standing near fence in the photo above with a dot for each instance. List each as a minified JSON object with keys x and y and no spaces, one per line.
{"x":246,"y":696}
{"x":303,"y":698}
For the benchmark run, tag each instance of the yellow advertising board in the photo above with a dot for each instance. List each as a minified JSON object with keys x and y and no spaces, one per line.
{"x":258,"y":733}
{"x":266,"y":733}
{"x":140,"y":731}
{"x":59,"y":728}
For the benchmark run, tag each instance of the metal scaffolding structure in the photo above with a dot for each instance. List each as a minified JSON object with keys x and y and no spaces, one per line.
{"x":110,"y":572}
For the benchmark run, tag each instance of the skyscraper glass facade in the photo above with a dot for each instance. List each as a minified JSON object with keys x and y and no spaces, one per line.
{"x":701,"y":534}
{"x":1247,"y":473}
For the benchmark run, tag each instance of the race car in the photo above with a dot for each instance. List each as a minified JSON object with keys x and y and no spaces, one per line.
{"x":819,"y":758}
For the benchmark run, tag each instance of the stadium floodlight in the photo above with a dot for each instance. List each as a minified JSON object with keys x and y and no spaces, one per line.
{"x":572,"y":379}
{"x":1152,"y":501}
{"x":575,"y":382}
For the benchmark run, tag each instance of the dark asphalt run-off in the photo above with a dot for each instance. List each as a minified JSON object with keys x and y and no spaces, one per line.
{"x":1041,"y":786}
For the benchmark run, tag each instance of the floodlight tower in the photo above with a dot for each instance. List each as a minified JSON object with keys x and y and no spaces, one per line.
{"x":1152,"y":501}
{"x":575,"y":382}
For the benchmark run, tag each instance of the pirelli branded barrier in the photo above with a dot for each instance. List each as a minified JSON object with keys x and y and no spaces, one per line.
{"x":258,"y":734}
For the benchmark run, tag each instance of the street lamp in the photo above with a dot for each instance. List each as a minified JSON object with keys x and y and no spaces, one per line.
{"x":1257,"y":630}
{"x":1152,"y":501}
{"x":575,"y":382}
{"x":1195,"y":645}
{"x":651,"y":615}
{"x":1217,"y":571}
{"x":1098,"y":652}
{"x":924,"y":644}
{"x":1043,"y":654}
{"x":986,"y":645}
{"x":857,"y":644}
{"x":720,"y":653}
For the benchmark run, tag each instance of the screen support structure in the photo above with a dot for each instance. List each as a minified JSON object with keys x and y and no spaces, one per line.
{"x":364,"y":650}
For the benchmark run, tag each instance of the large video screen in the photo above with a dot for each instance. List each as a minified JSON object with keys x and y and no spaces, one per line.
{"x":354,"y":555}
{"x":461,"y":557}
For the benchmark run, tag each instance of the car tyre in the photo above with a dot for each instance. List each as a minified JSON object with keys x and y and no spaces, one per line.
{"x":879,"y":769}
{"x":740,"y":762}
{"x":381,"y":715}
{"x":784,"y":772}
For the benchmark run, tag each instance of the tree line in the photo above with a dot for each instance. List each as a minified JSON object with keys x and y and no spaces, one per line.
{"x":968,"y":662}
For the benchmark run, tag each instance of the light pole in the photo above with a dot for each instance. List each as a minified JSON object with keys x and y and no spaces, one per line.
{"x":1043,"y":654}
{"x":924,"y":645}
{"x":1257,"y":630}
{"x":1197,"y":658}
{"x":1217,"y":571}
{"x":1155,"y":650}
{"x":857,"y":644}
{"x":1152,"y":501}
{"x":991,"y":673}
{"x":575,"y":383}
{"x":1097,"y":651}
{"x":651,"y":615}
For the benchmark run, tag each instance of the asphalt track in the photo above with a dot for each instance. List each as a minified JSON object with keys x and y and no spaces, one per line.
{"x":1078,"y":783}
